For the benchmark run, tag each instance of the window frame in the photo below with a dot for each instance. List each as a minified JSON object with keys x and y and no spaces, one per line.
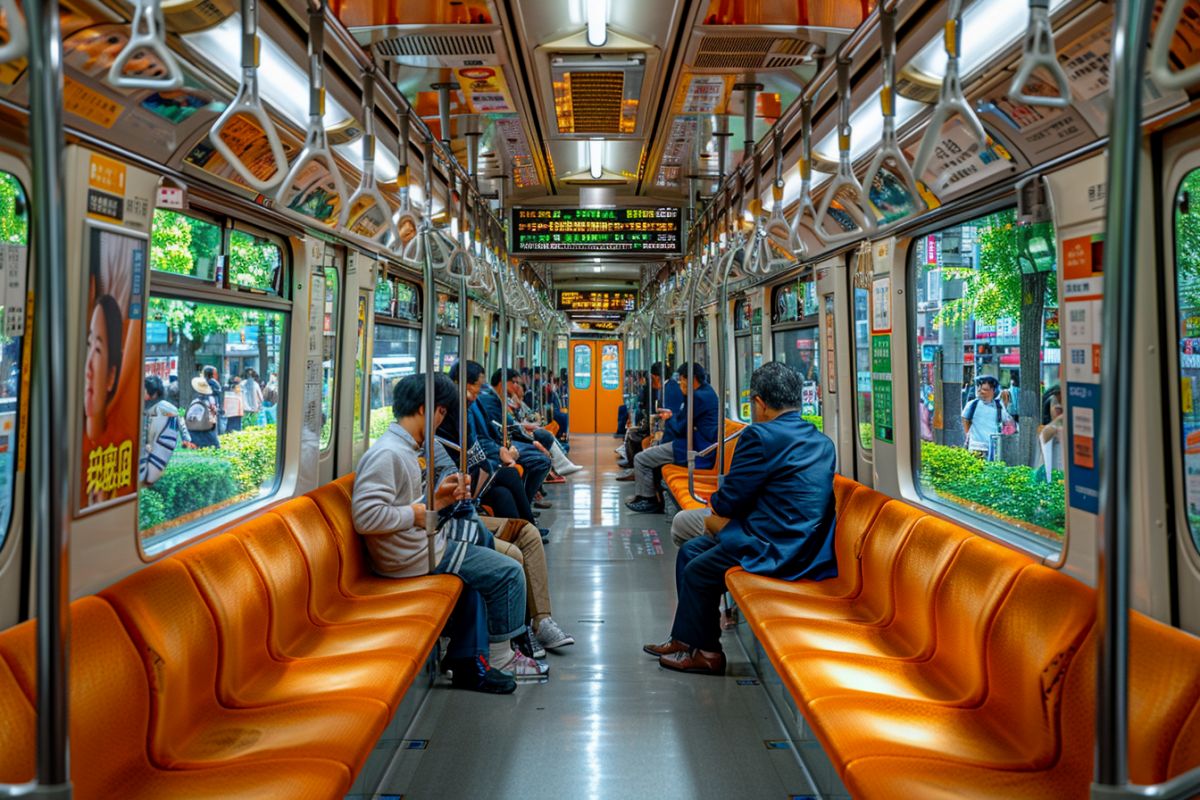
{"x":1177,"y":458}
{"x":171,"y":286}
{"x":336,"y":264}
{"x":9,"y":544}
{"x":988,"y":527}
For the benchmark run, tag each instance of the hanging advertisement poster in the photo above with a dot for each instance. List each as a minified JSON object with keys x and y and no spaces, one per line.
{"x":112,"y":374}
{"x":881,"y":386}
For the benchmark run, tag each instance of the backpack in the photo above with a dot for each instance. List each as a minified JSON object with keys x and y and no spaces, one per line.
{"x":158,"y":452}
{"x":201,"y":416}
{"x":970,"y":412}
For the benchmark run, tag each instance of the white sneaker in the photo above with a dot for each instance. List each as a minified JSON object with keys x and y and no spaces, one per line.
{"x":570,"y":468}
{"x":524,"y":668}
{"x":552,"y":637}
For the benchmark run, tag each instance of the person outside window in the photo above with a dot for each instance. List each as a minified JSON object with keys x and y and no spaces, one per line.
{"x":201,"y":416}
{"x":163,"y":431}
{"x":773,"y":515}
{"x":984,"y":416}
{"x":252,"y":397}
{"x":234,"y":405}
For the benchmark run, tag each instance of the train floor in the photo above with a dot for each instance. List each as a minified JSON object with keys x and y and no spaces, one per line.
{"x":609,"y":722}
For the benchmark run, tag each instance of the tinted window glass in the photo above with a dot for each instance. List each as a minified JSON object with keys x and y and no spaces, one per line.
{"x":254,"y":262}
{"x":799,"y":348}
{"x":14,"y":253}
{"x":1187,"y":293}
{"x":396,"y":354}
{"x":184,"y":245}
{"x":329,"y":353}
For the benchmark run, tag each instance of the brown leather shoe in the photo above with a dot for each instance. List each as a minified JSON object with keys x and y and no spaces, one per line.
{"x":666,"y":648}
{"x":694,"y":661}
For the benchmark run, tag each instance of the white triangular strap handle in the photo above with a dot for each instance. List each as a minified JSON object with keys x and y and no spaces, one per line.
{"x":18,"y":37}
{"x":147,"y":32}
{"x":1037,"y":53}
{"x":368,"y":186}
{"x":247,"y":102}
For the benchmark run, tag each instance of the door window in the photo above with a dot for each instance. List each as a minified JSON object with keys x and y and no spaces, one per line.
{"x":583,"y":366}
{"x":1187,"y":294}
{"x":14,"y":254}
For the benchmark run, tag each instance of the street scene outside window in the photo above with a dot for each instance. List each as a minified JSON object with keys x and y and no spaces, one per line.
{"x":988,"y":390}
{"x":14,"y":258}
{"x":1187,"y":294}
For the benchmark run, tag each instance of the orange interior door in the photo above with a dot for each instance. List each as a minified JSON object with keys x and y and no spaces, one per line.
{"x":581,"y":406}
{"x":610,"y":390}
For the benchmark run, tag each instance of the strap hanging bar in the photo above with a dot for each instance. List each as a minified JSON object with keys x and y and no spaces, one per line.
{"x":429,"y":334}
{"x":1166,"y":78}
{"x":1039,"y":52}
{"x":800,"y":249}
{"x":147,"y":32}
{"x":316,"y":143}
{"x":951,"y":100}
{"x":773,"y":238}
{"x":844,"y":188}
{"x":367,"y":196}
{"x":248,"y":102}
{"x":889,"y":156}
{"x":458,"y":264}
{"x":18,"y":37}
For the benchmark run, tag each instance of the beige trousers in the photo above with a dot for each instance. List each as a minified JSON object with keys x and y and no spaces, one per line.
{"x":522,"y":542}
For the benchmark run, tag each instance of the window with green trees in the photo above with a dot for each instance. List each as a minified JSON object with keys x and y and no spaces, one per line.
{"x":221,"y":368}
{"x":1187,"y":299}
{"x":14,"y":255}
{"x":987,"y":388}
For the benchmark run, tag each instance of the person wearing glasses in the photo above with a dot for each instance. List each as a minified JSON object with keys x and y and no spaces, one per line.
{"x":985,"y":416}
{"x":706,"y":424}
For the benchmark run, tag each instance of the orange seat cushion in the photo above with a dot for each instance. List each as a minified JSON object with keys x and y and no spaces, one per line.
{"x":175,"y":634}
{"x":109,"y":719}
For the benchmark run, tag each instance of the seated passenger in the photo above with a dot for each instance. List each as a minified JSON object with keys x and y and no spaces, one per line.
{"x":554,"y":400}
{"x":521,"y":414}
{"x":636,"y":438}
{"x":492,"y":423}
{"x":773,"y":515}
{"x":388,"y":512}
{"x":647,"y":465}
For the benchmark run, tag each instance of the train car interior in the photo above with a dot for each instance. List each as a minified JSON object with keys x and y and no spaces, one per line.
{"x":600,"y":398}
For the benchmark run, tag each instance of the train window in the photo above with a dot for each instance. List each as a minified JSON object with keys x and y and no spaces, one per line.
{"x":360,"y":356}
{"x":446,"y":345}
{"x":396,"y":354}
{"x":329,"y":353}
{"x":799,"y":349}
{"x":700,"y":342}
{"x":583,"y":366}
{"x":1187,"y":292}
{"x":254,"y":262}
{"x":185,"y":245}
{"x":200,"y":351}
{"x":987,"y":387}
{"x":14,"y":243}
{"x":747,"y":327}
{"x":383,"y":297}
{"x":862,"y":367}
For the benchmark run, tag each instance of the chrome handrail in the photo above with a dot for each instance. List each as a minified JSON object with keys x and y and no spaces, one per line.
{"x":888,"y":154}
{"x":147,"y":31}
{"x":368,"y":186}
{"x":1039,"y":52}
{"x":1160,"y":52}
{"x":316,"y":142}
{"x":951,"y":100}
{"x":18,"y":36}
{"x":844,"y":187}
{"x":248,"y":102}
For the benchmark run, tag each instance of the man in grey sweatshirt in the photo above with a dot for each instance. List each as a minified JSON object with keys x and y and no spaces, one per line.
{"x":389,"y":513}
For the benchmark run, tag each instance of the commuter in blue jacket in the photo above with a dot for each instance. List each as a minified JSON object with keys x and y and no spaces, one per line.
{"x":706,"y":422}
{"x":773,"y":515}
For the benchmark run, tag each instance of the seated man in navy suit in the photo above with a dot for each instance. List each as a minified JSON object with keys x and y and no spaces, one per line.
{"x":706,"y":422}
{"x":773,"y":515}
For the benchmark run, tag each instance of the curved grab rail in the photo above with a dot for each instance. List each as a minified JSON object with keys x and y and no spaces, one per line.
{"x":951,"y":100}
{"x":316,"y":143}
{"x":1039,"y":52}
{"x":248,"y":102}
{"x":368,"y":187}
{"x":18,"y":37}
{"x":1164,"y":77}
{"x":844,"y":187}
{"x":888,"y":155}
{"x":147,"y":31}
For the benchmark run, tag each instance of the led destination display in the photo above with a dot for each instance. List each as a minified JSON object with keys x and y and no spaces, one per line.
{"x":621,"y":302}
{"x":596,"y":230}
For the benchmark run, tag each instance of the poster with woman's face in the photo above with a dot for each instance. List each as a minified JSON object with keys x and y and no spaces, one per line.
{"x":112,"y":402}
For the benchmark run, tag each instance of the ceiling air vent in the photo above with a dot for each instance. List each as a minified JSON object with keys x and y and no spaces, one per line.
{"x":732,"y":49}
{"x":597,"y":94}
{"x":433,"y":46}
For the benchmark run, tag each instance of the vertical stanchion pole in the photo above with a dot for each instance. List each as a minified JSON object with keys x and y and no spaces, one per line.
{"x":429,"y":331}
{"x":1131,"y":26}
{"x":49,"y":476}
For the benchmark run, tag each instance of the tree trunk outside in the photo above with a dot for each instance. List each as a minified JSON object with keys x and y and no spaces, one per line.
{"x":1033,"y":302}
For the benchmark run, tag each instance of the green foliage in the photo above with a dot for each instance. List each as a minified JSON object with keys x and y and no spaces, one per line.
{"x":866,"y":435}
{"x":1016,"y":493}
{"x":1187,"y":243}
{"x":253,"y":453}
{"x":152,"y":511}
{"x":815,"y":420}
{"x":253,"y":262}
{"x":381,"y":418}
{"x":194,"y":480}
{"x":14,"y":211}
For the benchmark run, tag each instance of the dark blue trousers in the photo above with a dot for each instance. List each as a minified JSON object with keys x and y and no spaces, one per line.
{"x":622,"y":419}
{"x":699,"y":582}
{"x":467,"y":626}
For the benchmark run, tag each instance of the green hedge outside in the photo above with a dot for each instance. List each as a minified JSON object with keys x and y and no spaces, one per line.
{"x":1015,"y":494}
{"x":380,"y":419}
{"x":195,"y":480}
{"x":815,"y":420}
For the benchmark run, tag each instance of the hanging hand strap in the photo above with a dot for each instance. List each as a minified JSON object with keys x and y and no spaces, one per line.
{"x":368,"y":193}
{"x":951,"y":101}
{"x":1160,"y":52}
{"x":844,"y":187}
{"x":147,"y":32}
{"x":1037,"y":53}
{"x":248,"y":102}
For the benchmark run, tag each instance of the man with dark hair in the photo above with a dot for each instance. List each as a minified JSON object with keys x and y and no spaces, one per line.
{"x":388,"y":505}
{"x":649,"y":395}
{"x":534,"y":463}
{"x":706,"y":424}
{"x":773,"y":515}
{"x":984,"y":416}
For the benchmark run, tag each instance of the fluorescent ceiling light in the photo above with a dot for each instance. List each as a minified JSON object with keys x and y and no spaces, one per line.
{"x":866,"y":123}
{"x":596,"y":158}
{"x":282,"y":82}
{"x":597,"y":22}
{"x":989,"y":26}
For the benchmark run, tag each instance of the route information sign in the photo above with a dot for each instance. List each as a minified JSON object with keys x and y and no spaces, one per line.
{"x":596,"y":230}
